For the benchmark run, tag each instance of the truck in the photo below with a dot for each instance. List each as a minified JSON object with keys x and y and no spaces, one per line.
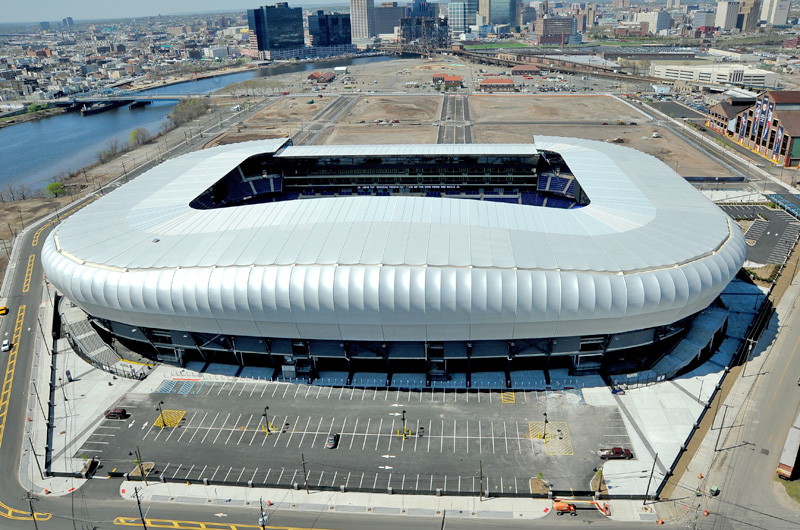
{"x":570,"y":506}
{"x":615,"y":453}
{"x":788,"y":459}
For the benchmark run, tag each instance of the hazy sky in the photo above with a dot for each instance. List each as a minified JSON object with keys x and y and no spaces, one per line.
{"x":51,"y":10}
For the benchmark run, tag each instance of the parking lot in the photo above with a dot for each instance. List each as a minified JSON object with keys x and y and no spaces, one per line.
{"x":771,"y":236}
{"x":221,"y":431}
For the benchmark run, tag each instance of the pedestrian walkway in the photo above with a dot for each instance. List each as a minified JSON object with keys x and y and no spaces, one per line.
{"x":657,"y":418}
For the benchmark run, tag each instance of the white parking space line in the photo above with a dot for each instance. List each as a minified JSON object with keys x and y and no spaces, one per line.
{"x":378,"y":438}
{"x":245,"y":429}
{"x":519,"y":438}
{"x":275,"y":389}
{"x":308,"y":389}
{"x":416,"y":438}
{"x":505,"y":435}
{"x":318,"y":391}
{"x":341,"y":391}
{"x":304,"y":433}
{"x":186,"y":429}
{"x":264,"y":389}
{"x":233,"y":385}
{"x":189,"y":472}
{"x":233,"y":427}
{"x":366,"y":434}
{"x":285,"y":391}
{"x":280,"y":432}
{"x":221,"y":386}
{"x":430,"y":426}
{"x":319,"y":426}
{"x":353,"y":436}
{"x":297,"y":390}
{"x":177,"y":470}
{"x":259,"y":428}
{"x":454,"y":436}
{"x":97,"y":442}
{"x":214,"y":475}
{"x":441,"y":438}
{"x":208,"y":430}
{"x":254,"y":389}
{"x":221,"y":426}
{"x":197,"y":429}
{"x":330,"y":391}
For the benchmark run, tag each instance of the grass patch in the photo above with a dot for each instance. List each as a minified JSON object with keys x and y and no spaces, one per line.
{"x":792,"y":488}
{"x":496,"y":45}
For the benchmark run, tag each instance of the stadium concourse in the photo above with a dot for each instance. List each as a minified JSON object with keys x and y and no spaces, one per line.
{"x":441,"y":266}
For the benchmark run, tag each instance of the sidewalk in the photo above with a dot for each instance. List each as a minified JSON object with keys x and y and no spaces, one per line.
{"x":658,"y":418}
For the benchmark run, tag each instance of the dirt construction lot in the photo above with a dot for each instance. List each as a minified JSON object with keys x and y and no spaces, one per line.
{"x":403,"y":108}
{"x":493,"y":108}
{"x":583,"y":117}
{"x":371,"y":133}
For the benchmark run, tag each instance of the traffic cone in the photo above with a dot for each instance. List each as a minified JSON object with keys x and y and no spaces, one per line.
{"x":269,"y":502}
{"x":660,"y":522}
{"x":700,"y":475}
{"x":705,"y":512}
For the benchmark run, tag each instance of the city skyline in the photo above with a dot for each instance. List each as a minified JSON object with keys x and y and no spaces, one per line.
{"x":17,"y":13}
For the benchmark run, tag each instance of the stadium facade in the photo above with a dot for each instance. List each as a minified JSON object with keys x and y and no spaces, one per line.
{"x":423,"y":258}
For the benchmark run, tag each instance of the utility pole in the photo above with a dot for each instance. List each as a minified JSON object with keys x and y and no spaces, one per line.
{"x":480,"y":470}
{"x":305,"y":477}
{"x":141,"y":467}
{"x":36,"y":457}
{"x":652,"y":470}
{"x":264,"y":519}
{"x":139,"y":504}
{"x":31,"y":498}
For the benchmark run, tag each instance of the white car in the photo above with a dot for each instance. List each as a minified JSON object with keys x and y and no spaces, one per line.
{"x":6,"y":345}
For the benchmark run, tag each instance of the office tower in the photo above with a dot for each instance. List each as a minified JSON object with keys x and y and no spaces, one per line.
{"x":387,"y":17}
{"x":776,"y":12}
{"x":275,"y":27}
{"x":727,"y":12}
{"x":330,"y":29}
{"x":362,"y":19}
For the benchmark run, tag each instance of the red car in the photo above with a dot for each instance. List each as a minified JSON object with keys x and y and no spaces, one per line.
{"x":615,"y":453}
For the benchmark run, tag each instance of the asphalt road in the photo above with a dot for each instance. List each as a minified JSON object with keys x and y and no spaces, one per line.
{"x":454,"y":124}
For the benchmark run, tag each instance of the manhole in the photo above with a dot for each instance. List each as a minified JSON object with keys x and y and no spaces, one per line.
{"x":765,"y":451}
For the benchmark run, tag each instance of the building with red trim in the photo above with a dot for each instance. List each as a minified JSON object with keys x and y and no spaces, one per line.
{"x":769,"y":126}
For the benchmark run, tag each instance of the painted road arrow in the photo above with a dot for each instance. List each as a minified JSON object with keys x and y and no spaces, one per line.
{"x":221,"y":514}
{"x":384,"y":467}
{"x":387,"y":456}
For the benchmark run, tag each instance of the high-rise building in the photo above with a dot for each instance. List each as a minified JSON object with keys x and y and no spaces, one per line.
{"x":704,"y":19}
{"x":503,"y":12}
{"x":387,"y":17}
{"x":457,"y":12}
{"x":656,"y":20}
{"x":362,"y":19}
{"x":727,"y":12}
{"x":330,"y":29}
{"x":67,"y":22}
{"x":776,"y":12}
{"x":749,"y":13}
{"x":553,"y":30}
{"x":591,"y":15}
{"x":274,"y":28}
{"x":44,"y":26}
{"x":485,"y":10}
{"x":621,"y":4}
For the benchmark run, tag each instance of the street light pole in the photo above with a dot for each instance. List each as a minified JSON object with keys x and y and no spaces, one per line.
{"x":545,"y":429}
{"x":161,"y":414}
{"x":404,"y":424}
{"x":266,"y":419}
{"x":61,"y":384}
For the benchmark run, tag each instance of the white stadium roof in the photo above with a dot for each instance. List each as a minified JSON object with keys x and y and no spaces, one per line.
{"x":648,"y":250}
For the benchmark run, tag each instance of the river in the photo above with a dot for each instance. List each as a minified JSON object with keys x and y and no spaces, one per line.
{"x":34,"y":152}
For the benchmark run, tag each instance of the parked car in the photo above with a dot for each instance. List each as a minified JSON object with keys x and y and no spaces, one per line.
{"x":332,"y":441}
{"x":3,"y":310}
{"x":116,"y":414}
{"x":615,"y":453}
{"x":6,"y":345}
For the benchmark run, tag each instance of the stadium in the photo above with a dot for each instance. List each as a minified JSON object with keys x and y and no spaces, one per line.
{"x":442,"y":260}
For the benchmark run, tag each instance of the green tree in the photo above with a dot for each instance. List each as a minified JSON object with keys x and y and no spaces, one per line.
{"x":140,"y":136}
{"x":55,"y":189}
